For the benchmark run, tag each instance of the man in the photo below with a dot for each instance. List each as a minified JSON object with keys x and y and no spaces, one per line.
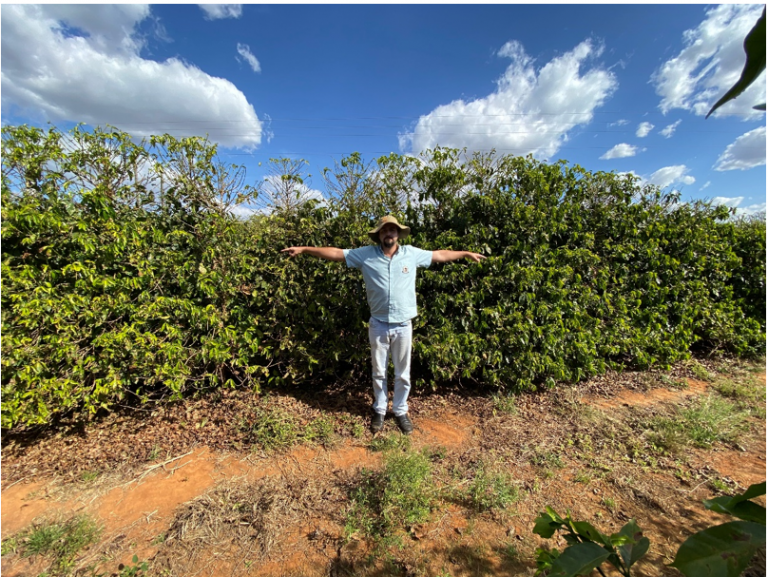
{"x":389,"y":271}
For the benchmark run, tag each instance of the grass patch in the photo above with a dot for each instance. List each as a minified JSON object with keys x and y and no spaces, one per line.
{"x":273,"y":429}
{"x":708,"y":420}
{"x":504,"y":403}
{"x":491,"y":490}
{"x":673,"y":383}
{"x":748,"y":394}
{"x":385,"y":503}
{"x":391,"y":442}
{"x":320,"y":431}
{"x":546,"y":459}
{"x":59,"y":541}
{"x":89,"y":476}
{"x":700,"y":372}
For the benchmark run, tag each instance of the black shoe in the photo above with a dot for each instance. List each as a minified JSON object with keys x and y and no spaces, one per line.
{"x":405,"y":424}
{"x":377,"y":422}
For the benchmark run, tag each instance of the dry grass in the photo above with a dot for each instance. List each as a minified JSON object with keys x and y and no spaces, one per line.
{"x":245,"y":522}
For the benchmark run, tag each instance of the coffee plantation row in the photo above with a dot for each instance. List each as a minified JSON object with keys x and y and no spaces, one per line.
{"x":126,"y":278}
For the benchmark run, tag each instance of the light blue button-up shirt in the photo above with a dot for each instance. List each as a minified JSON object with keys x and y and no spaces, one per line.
{"x":389,"y":282}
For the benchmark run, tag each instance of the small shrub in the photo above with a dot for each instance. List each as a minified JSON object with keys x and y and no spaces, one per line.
{"x":137,"y":568}
{"x":387,"y":502}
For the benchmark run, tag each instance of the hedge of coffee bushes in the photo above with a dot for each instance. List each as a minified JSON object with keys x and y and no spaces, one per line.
{"x":126,"y":278}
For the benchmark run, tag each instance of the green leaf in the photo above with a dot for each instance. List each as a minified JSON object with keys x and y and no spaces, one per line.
{"x":578,"y":560}
{"x":745,"y":510}
{"x":753,"y":491}
{"x":632,"y":551}
{"x":720,"y":551}
{"x":754,"y":46}
{"x":584,"y":529}
{"x":739,"y":505}
{"x":545,"y":526}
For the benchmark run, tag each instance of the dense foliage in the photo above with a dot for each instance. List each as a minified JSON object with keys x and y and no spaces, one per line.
{"x":126,"y":276}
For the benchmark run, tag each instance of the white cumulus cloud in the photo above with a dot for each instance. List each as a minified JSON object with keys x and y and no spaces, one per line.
{"x":729,"y":202}
{"x":669,"y":175}
{"x":644,"y":129}
{"x":735,"y":202}
{"x":747,"y":151}
{"x":219,"y":11}
{"x":710,"y":64}
{"x":669,"y":130}
{"x":245,"y":51}
{"x":622,"y":150}
{"x":706,"y":185}
{"x":83,"y":64}
{"x":531,"y":111}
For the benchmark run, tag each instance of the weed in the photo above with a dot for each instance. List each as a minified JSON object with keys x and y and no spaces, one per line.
{"x":719,"y":486}
{"x":504,"y":404}
{"x":583,"y":477}
{"x":154,"y":454}
{"x":386,"y":502}
{"x":88,"y":476}
{"x":542,"y":458}
{"x":138,"y":568}
{"x":273,"y":429}
{"x":491,"y":490}
{"x":748,"y":394}
{"x":511,"y":552}
{"x":320,"y":431}
{"x":700,"y":372}
{"x":390,"y":442}
{"x":609,"y":503}
{"x":358,"y":430}
{"x":10,"y":546}
{"x":59,"y":541}
{"x":713,"y":419}
{"x":436,"y":453}
{"x":672,"y":383}
{"x":708,"y":420}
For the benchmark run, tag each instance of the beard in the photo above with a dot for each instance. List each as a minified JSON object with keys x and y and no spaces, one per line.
{"x":389,"y":241}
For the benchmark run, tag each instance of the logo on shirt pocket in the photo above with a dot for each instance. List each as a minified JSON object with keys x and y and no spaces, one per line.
{"x":405,"y":270}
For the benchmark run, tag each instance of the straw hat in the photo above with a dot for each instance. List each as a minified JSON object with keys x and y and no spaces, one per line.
{"x":389,"y":219}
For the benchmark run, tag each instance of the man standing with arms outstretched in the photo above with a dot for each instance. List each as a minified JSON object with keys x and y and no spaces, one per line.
{"x":389,"y":271}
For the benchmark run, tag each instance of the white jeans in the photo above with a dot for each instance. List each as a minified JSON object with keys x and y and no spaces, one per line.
{"x":391,"y":339}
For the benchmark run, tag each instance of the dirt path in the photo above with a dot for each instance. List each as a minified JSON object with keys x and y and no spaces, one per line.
{"x":138,"y":507}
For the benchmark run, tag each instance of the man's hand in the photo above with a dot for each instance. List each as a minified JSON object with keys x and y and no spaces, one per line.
{"x":441,"y":256}
{"x":293,"y":250}
{"x":324,"y":252}
{"x":475,"y":256}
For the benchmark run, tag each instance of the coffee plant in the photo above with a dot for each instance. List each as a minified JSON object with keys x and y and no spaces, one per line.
{"x":719,"y":551}
{"x":126,"y":278}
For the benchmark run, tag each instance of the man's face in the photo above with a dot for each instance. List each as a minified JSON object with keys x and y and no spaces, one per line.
{"x":388,"y":235}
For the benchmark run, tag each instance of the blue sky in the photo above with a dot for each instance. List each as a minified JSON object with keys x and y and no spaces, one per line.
{"x":620,"y":88}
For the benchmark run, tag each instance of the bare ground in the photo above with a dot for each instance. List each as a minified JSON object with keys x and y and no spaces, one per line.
{"x":187,"y":487}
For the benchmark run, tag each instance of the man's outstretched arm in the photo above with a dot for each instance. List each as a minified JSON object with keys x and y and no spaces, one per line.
{"x":451,"y":255}
{"x":327,"y":252}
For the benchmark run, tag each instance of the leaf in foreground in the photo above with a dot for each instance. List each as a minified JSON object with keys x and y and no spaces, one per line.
{"x":724,"y":550}
{"x":578,"y":560}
